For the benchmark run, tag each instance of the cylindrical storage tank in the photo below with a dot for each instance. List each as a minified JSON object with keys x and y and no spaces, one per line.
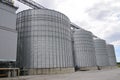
{"x":111,"y":55}
{"x":84,"y":50}
{"x":101,"y":52}
{"x":44,"y":42}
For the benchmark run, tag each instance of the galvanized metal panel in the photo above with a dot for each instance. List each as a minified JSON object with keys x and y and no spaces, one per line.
{"x":101,"y":52}
{"x":8,"y":34}
{"x":7,"y":16}
{"x":84,"y":50}
{"x":8,"y":45}
{"x":111,"y":54}
{"x":50,"y":45}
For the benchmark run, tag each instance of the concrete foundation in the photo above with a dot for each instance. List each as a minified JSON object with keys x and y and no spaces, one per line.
{"x":96,"y":68}
{"x":87,"y":68}
{"x":107,"y":67}
{"x":50,"y":71}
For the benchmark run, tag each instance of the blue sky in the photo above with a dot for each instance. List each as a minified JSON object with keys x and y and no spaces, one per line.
{"x":101,"y":17}
{"x":117,"y":51}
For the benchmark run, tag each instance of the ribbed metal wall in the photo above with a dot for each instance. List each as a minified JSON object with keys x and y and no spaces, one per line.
{"x":101,"y":52}
{"x":111,"y":54}
{"x":8,"y":33}
{"x":84,"y":50}
{"x":44,"y":39}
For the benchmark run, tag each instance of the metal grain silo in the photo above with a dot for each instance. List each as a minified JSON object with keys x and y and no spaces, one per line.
{"x":111,"y":55}
{"x":84,"y":50}
{"x":101,"y":52}
{"x":44,"y":42}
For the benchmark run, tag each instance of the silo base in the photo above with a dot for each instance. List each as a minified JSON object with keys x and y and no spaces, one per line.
{"x":114,"y":67}
{"x":87,"y":68}
{"x":45,"y":71}
{"x":107,"y":67}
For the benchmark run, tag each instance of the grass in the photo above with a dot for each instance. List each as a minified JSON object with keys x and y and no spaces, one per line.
{"x":118,"y":64}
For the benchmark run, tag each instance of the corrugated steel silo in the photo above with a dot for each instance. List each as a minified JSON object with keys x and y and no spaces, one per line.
{"x":84,"y":50}
{"x":111,"y":55}
{"x":44,"y":42}
{"x":101,"y":52}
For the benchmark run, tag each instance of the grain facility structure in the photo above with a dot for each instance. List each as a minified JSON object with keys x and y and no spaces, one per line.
{"x":8,"y":33}
{"x":84,"y":50}
{"x":101,"y":52}
{"x":8,"y":38}
{"x":111,"y":55}
{"x":44,"y":42}
{"x":47,"y":42}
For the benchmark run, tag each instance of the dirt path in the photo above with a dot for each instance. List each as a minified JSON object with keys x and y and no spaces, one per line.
{"x":113,"y":74}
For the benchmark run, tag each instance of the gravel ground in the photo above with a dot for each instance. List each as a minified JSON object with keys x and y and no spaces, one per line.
{"x":113,"y":74}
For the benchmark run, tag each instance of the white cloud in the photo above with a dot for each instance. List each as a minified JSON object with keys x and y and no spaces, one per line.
{"x":74,"y":9}
{"x":118,"y":59}
{"x":102,"y":17}
{"x":116,"y":43}
{"x":47,"y":3}
{"x":21,"y":6}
